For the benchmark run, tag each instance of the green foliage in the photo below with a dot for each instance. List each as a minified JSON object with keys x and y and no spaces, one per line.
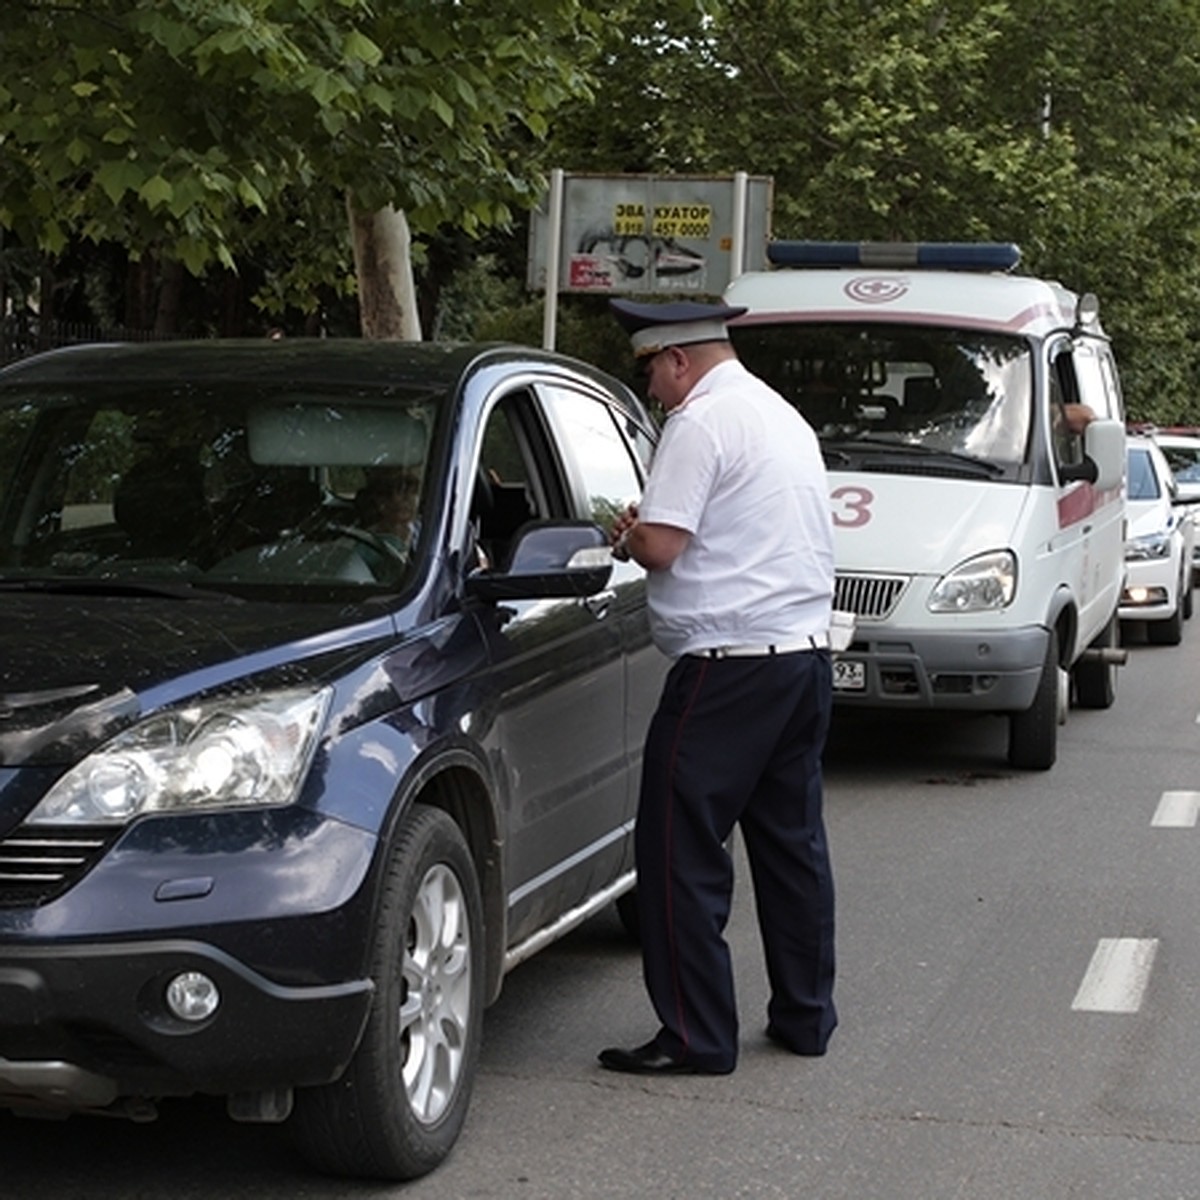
{"x":650,"y":111}
{"x":199,"y":130}
{"x":230,"y":132}
{"x":1068,"y":130}
{"x":486,"y":302}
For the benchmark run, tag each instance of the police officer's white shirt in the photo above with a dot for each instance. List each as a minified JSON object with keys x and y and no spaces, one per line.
{"x":741,"y":471}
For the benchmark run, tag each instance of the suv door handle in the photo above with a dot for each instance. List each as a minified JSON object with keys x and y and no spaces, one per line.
{"x":599,"y":604}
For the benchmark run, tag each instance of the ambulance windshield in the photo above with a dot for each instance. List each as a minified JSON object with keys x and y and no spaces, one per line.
{"x":886,"y":393}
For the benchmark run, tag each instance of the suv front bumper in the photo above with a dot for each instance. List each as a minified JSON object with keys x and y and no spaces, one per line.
{"x":81,"y":1026}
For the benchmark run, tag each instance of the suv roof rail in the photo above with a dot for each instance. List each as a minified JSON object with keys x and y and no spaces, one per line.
{"x":946,"y":256}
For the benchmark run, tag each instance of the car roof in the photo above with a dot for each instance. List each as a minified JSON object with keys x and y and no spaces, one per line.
{"x":1177,"y":439}
{"x":1149,"y":447}
{"x":336,"y":362}
{"x":1012,"y":304}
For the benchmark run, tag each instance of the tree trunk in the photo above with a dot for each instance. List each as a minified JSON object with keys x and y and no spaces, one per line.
{"x":387,"y":296}
{"x":233,"y":314}
{"x":170,"y":296}
{"x":45,"y":302}
{"x":3,"y":284}
{"x":140,"y":289}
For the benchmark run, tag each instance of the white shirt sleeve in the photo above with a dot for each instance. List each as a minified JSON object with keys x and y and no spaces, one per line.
{"x":681,"y":478}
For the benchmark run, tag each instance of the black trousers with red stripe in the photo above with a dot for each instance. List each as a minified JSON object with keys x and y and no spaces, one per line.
{"x":737,"y":741}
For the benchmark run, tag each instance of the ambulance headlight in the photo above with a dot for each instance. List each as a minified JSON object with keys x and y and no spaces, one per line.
{"x":233,"y":752}
{"x":981,"y":584}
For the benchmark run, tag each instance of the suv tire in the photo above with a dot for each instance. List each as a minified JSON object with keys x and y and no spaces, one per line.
{"x":398,"y":1109}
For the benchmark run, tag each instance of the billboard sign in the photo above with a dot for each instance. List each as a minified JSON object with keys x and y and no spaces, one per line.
{"x":650,"y":234}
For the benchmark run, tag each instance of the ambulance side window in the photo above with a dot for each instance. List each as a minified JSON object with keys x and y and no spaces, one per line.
{"x":1064,"y":391}
{"x":1112,"y":385}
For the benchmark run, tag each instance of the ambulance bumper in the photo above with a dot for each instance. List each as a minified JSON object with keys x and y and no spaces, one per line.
{"x":991,"y":671}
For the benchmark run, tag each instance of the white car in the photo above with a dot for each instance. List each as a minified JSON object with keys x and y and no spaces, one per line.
{"x":1182,"y":452}
{"x":1159,"y":545}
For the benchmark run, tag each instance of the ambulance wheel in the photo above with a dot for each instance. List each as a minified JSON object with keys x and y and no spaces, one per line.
{"x":1033,"y":734}
{"x":1096,"y":682}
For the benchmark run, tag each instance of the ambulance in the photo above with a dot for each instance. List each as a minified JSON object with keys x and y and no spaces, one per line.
{"x":972,"y":425}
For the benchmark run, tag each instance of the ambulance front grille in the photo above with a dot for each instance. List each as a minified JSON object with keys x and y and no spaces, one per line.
{"x":869,"y":597}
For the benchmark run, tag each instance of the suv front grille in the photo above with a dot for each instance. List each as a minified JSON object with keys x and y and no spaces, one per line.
{"x":37,"y":863}
{"x":870,"y":596}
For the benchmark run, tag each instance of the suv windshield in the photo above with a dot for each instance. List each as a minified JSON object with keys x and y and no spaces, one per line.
{"x":215,"y":487}
{"x":881,"y":397}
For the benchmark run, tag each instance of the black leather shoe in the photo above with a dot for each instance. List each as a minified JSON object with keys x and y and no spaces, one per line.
{"x":647,"y":1060}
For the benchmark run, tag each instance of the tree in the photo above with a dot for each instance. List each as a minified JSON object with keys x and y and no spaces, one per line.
{"x":658,"y":89}
{"x":1071,"y":134}
{"x":196,"y":130}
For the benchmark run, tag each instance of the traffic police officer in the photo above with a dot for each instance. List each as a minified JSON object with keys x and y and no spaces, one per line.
{"x":734,"y":530}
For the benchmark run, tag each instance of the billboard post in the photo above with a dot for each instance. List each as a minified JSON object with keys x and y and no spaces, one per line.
{"x":553,"y":258}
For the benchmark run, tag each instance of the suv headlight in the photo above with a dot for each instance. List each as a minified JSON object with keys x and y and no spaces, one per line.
{"x":234,"y":752}
{"x":978,"y":585}
{"x":1149,"y":545}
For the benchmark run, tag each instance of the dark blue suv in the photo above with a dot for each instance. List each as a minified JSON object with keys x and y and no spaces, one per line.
{"x":321,"y":706}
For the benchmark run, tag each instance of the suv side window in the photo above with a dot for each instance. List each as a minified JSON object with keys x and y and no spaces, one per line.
{"x":602,"y":460}
{"x":515,"y":479}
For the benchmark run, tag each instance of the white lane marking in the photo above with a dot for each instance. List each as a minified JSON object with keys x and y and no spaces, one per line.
{"x":1116,"y":978}
{"x":1177,"y":810}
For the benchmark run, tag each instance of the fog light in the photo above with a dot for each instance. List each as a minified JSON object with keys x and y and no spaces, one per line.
{"x":1138,"y":597}
{"x":192,"y":996}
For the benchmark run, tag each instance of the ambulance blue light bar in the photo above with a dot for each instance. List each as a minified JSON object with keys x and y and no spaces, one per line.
{"x":945,"y":256}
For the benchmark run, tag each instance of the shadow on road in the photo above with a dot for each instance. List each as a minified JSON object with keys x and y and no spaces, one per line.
{"x":918,"y":747}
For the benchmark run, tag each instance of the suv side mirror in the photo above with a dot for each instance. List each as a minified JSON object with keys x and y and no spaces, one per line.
{"x":549,"y":558}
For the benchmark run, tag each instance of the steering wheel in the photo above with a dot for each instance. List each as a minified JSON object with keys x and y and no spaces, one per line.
{"x":322,"y":528}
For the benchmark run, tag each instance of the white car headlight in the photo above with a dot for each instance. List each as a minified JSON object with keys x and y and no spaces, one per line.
{"x":229,"y":753}
{"x":1149,"y":545}
{"x":978,"y":585}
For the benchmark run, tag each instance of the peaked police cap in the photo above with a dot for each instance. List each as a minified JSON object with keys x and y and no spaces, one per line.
{"x":653,"y":327}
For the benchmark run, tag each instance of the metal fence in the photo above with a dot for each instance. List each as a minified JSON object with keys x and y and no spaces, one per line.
{"x":22,"y":336}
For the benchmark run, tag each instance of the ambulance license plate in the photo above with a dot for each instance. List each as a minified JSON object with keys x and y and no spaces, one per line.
{"x":849,"y":676}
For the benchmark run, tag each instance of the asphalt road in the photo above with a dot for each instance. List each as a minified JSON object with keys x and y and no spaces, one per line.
{"x":1019,"y":985}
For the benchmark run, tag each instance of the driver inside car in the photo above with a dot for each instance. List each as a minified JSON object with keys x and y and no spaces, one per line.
{"x":387,"y":504}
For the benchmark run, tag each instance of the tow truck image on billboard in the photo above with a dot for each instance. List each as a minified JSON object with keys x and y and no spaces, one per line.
{"x":605,"y":257}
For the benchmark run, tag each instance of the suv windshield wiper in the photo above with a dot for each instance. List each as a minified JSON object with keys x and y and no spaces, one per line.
{"x":86,"y":586}
{"x":871,"y":444}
